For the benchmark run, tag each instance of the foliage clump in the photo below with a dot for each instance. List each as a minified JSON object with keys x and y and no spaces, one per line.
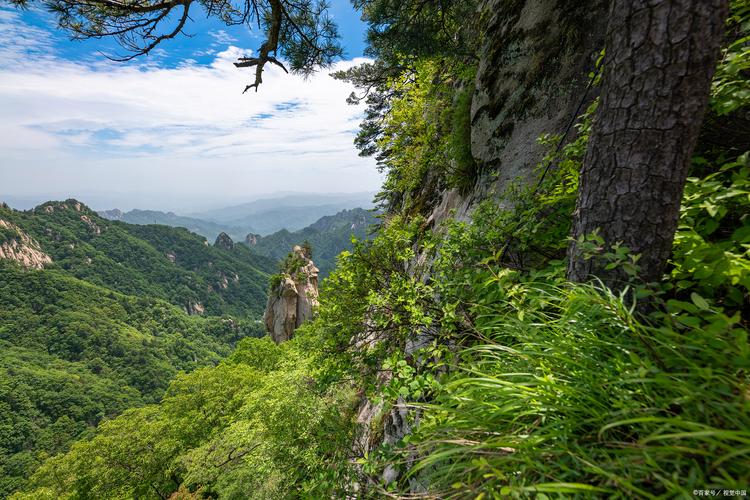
{"x":258,"y":425}
{"x":568,"y":393}
{"x":73,"y":354}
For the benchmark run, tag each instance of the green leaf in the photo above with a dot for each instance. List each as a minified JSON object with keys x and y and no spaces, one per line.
{"x":699,"y":301}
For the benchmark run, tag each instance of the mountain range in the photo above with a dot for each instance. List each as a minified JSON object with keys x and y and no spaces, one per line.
{"x":205,"y":228}
{"x":288,"y":201}
{"x":97,"y":315}
{"x":292,"y":212}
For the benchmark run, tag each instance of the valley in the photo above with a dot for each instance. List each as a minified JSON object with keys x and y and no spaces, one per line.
{"x":97,"y":316}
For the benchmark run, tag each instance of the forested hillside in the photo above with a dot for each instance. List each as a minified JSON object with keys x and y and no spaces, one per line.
{"x":154,"y":261}
{"x":328,"y":236}
{"x":86,"y":327}
{"x":557,"y":300}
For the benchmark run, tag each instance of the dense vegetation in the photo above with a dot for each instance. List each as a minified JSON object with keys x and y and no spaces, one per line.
{"x":329,"y":236}
{"x":244,"y":429}
{"x":73,"y":353}
{"x":457,"y":360}
{"x":75,"y":349}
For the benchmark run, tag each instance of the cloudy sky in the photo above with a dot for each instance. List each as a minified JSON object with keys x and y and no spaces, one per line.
{"x":171,"y":130}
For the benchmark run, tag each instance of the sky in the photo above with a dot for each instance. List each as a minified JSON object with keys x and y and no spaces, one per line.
{"x":171,"y":130}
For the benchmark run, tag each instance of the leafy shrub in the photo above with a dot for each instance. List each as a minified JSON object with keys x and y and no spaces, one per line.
{"x":712,"y":243}
{"x":423,"y":141}
{"x":731,"y":85}
{"x":7,"y":234}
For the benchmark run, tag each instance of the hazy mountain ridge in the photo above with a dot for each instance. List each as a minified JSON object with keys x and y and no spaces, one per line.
{"x":204,"y":228}
{"x":292,"y":212}
{"x":328,"y":236}
{"x":291,"y":200}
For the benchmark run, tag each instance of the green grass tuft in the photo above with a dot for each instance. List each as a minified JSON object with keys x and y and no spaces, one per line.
{"x":575,"y":396}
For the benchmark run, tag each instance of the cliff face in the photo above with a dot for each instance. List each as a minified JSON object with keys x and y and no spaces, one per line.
{"x":293,"y":299}
{"x":20,"y":247}
{"x":532,"y":77}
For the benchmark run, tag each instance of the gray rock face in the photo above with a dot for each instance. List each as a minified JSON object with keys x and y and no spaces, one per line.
{"x":533,"y":69}
{"x":532,"y":76}
{"x":194,"y":308}
{"x":114,"y":214}
{"x":252,"y":239}
{"x":293,"y":300}
{"x":22,"y":248}
{"x":224,"y":241}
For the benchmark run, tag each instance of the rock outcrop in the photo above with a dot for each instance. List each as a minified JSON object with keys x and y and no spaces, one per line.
{"x":91,"y":224}
{"x":224,"y":241}
{"x":293,"y":297}
{"x":20,"y":247}
{"x":194,"y":308}
{"x":114,"y":214}
{"x":251,"y":239}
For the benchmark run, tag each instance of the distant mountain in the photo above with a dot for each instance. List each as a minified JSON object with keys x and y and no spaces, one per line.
{"x":328,"y":236}
{"x":291,"y":212}
{"x":97,"y":316}
{"x":205,"y":228}
{"x":289,"y":218}
{"x":236,"y":212}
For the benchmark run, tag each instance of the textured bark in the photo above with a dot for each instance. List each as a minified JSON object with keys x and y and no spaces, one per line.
{"x":661,"y":56}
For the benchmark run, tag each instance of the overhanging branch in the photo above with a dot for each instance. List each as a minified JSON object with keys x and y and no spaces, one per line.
{"x":270,"y":45}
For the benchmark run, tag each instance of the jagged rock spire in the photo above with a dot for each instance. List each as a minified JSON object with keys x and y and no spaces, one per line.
{"x":293,"y":299}
{"x":224,"y":241}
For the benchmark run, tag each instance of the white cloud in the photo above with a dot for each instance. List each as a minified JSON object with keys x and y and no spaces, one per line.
{"x":222,"y":37}
{"x":74,"y":126}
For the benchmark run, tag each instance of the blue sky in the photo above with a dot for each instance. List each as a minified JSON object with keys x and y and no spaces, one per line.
{"x":171,"y":130}
{"x":206,"y":36}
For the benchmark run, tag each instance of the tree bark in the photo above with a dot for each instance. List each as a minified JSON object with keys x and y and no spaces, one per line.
{"x":660,"y":59}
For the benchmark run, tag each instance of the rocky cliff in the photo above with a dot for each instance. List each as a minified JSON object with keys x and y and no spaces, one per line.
{"x":224,"y":241}
{"x":532,"y":79}
{"x":18,"y":246}
{"x":293,"y":296}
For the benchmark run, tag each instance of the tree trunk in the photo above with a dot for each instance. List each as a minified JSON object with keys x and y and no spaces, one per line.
{"x":660,"y":59}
